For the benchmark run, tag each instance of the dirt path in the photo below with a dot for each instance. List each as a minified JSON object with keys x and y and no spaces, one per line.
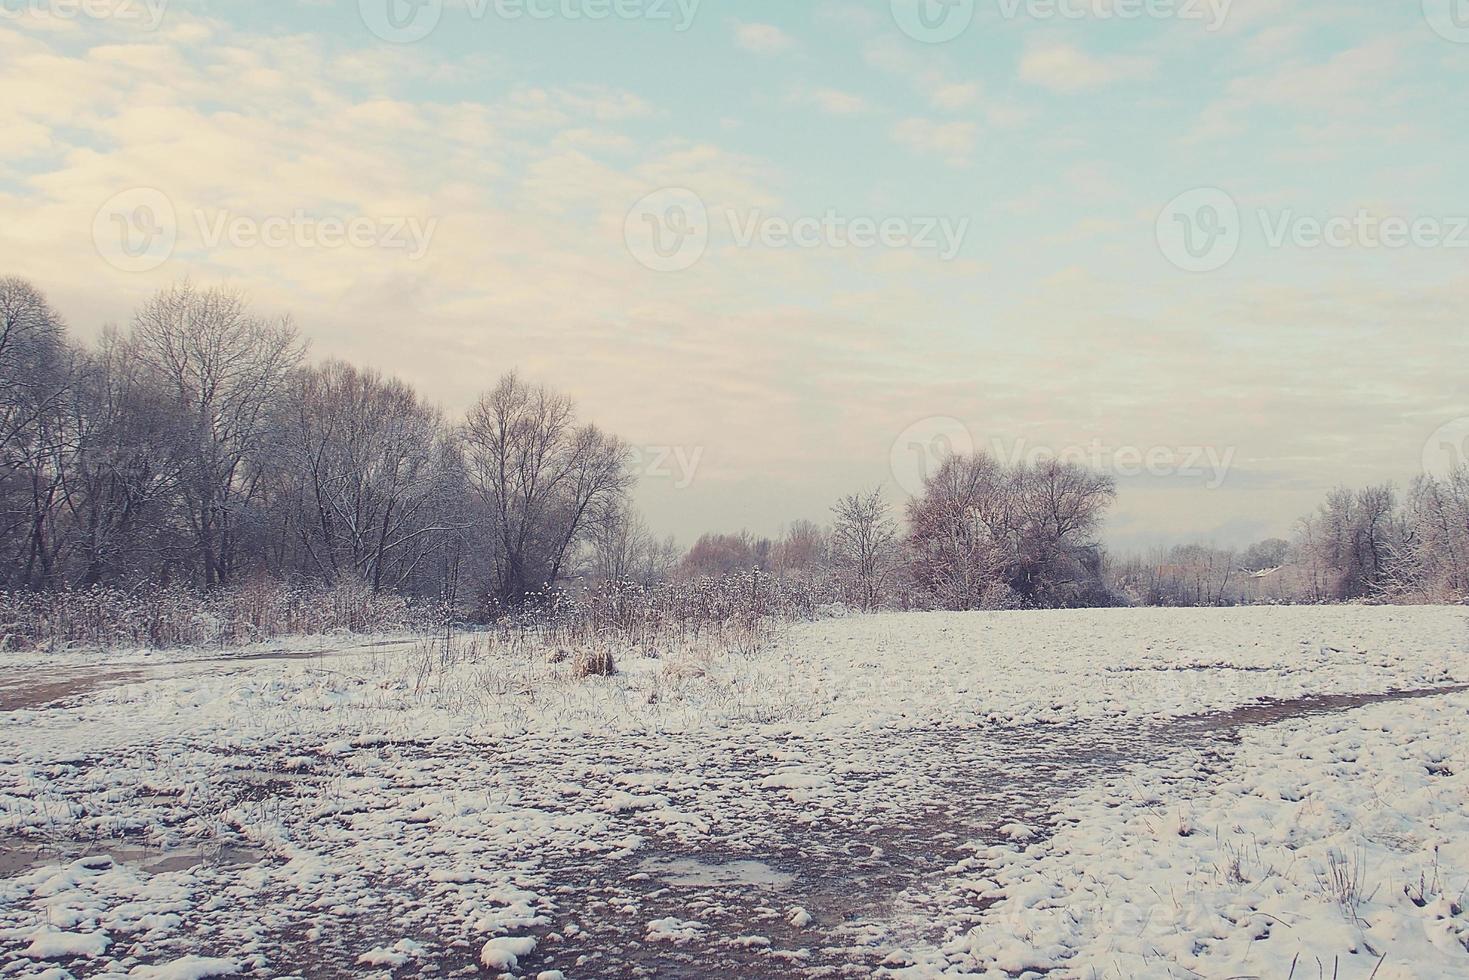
{"x":779,"y":884}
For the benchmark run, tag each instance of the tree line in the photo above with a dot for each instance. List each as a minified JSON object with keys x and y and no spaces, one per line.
{"x":197,"y":448}
{"x":1369,"y":544}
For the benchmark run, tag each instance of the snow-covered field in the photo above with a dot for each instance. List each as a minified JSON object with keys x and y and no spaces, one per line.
{"x":920,"y":794}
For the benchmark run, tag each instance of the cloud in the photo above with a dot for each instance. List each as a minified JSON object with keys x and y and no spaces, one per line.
{"x":832,"y":101}
{"x":927,"y":74}
{"x":952,"y":96}
{"x":765,"y":39}
{"x":1349,"y":84}
{"x":1066,"y":69}
{"x":953,"y":142}
{"x":531,"y":180}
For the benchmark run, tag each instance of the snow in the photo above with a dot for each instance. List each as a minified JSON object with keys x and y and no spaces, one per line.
{"x":976,"y":794}
{"x":62,"y":945}
{"x":673,"y":930}
{"x":396,"y":955}
{"x":504,"y":953}
{"x":189,"y":967}
{"x":1341,"y":840}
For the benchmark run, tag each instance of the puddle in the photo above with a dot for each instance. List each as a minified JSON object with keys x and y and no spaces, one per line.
{"x":1273,"y":712}
{"x":31,"y":688}
{"x":41,"y":687}
{"x":693,"y":873}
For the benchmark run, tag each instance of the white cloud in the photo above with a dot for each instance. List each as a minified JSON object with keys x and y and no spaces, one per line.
{"x":763,"y":38}
{"x":953,"y":142}
{"x":833,"y":101}
{"x":1067,"y":69}
{"x":952,"y":96}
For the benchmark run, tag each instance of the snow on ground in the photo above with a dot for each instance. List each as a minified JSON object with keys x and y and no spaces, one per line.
{"x":1337,"y":844}
{"x":922,"y":793}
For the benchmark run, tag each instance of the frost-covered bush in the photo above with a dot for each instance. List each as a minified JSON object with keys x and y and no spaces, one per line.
{"x":1000,"y":597}
{"x":162,"y":617}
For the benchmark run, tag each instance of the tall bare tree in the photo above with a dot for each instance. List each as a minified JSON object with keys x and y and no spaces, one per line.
{"x":228,"y":372}
{"x":37,"y":371}
{"x":864,"y":548}
{"x":542,"y":482}
{"x":123,"y":482}
{"x":367,"y":461}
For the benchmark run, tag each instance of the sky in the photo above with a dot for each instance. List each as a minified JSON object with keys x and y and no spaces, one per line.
{"x":791,"y":251}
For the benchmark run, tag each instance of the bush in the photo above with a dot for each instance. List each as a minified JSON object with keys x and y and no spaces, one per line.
{"x":999,"y":596}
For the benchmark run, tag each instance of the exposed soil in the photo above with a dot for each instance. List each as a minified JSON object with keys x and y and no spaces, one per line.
{"x":799,"y":894}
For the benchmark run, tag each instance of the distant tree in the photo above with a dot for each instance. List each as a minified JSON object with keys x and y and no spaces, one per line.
{"x":962,"y":531}
{"x":717,"y":555}
{"x":1433,"y":563}
{"x":864,"y":548}
{"x":1352,"y":543}
{"x":1262,"y":555}
{"x":37,"y":374}
{"x":623,"y":549}
{"x":801,"y":552}
{"x":1062,"y":506}
{"x":122,"y":487}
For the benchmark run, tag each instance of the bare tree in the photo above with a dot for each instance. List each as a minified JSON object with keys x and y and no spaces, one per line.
{"x":718,"y":555}
{"x":864,"y":548}
{"x":982,"y":535}
{"x":623,"y":549}
{"x":802,"y":552}
{"x":120,"y":487}
{"x":227,"y":372}
{"x":1433,"y":564}
{"x":962,"y":531}
{"x":37,"y":372}
{"x":368,"y":468}
{"x":542,"y":482}
{"x":1352,"y":542}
